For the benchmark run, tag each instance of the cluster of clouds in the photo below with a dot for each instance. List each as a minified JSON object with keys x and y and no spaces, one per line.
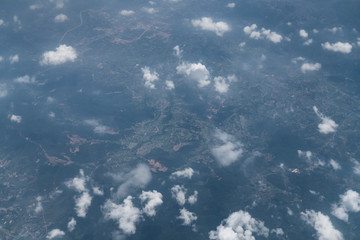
{"x":227,"y":150}
{"x":308,"y":156}
{"x":327,"y":125}
{"x":305,"y":36}
{"x":138,"y":177}
{"x":349,"y":202}
{"x":263,"y":33}
{"x":150,"y":77}
{"x":188,"y":218}
{"x":179,"y":194}
{"x":322,"y":225}
{"x":15,"y":118}
{"x":83,"y":201}
{"x":127,"y":215}
{"x":207,"y":24}
{"x":239,"y":226}
{"x":61,"y":55}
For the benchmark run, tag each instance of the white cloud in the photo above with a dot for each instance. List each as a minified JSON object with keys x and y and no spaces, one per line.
{"x":356,"y":167}
{"x":25,"y":79}
{"x":335,"y":29}
{"x":82,"y":204}
{"x":170,"y":85}
{"x":228,"y":150}
{"x":60,"y":18}
{"x":61,"y":55}
{"x":315,"y":31}
{"x":335,"y":165}
{"x":310,"y":67}
{"x":239,"y":226}
{"x":327,"y":125}
{"x":55,"y":233}
{"x":2,"y":22}
{"x":59,"y":3}
{"x":35,"y":6}
{"x":98,"y":127}
{"x":127,"y":12}
{"x":125,"y":214}
{"x":186,"y":173}
{"x":152,"y":199}
{"x":1,"y":59}
{"x":342,"y":47}
{"x":222,"y":84}
{"x":297,"y":59}
{"x":98,"y":191}
{"x":206,"y":23}
{"x":193,"y":198}
{"x":308,"y":156}
{"x":261,"y":34}
{"x":3,"y":90}
{"x":195,"y":71}
{"x":349,"y":202}
{"x":242,"y":44}
{"x":303,"y":33}
{"x":78,"y":183}
{"x":71,"y":225}
{"x":187,"y":217}
{"x":14,"y":59}
{"x":38,"y":207}
{"x":177,"y":51}
{"x":15,"y":118}
{"x":231,"y":5}
{"x":278,"y":231}
{"x":149,"y":77}
{"x":358,"y":42}
{"x":308,"y":42}
{"x":178,"y":193}
{"x":149,"y":10}
{"x":322,"y":224}
{"x":139,"y":177}
{"x":16,"y":20}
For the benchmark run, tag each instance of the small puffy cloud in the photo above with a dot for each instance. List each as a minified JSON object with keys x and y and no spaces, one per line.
{"x":149,"y":77}
{"x":185,"y":173}
{"x":193,"y":198}
{"x":349,"y":202}
{"x":98,"y":191}
{"x":139,"y":177}
{"x":356,"y":167}
{"x":60,"y":18}
{"x":303,"y":33}
{"x":127,"y":12}
{"x":55,"y":233}
{"x":15,"y":118}
{"x":322,"y":224}
{"x":327,"y":125}
{"x":25,"y":79}
{"x":342,"y":47}
{"x":78,"y":183}
{"x":335,"y":165}
{"x":35,"y":6}
{"x":239,"y":226}
{"x":308,"y":42}
{"x":222,"y":84}
{"x":2,"y":22}
{"x":169,"y":85}
{"x":16,"y":20}
{"x":98,"y":127}
{"x":177,"y":51}
{"x":38,"y":207}
{"x":3,"y":90}
{"x":1,"y":59}
{"x":82,"y":204}
{"x":187,"y":217}
{"x":335,"y":29}
{"x":228,"y":150}
{"x":71,"y":225}
{"x":206,"y":23}
{"x":59,"y":3}
{"x":195,"y":71}
{"x":14,"y":59}
{"x":278,"y":231}
{"x":61,"y":55}
{"x":231,"y":5}
{"x":256,"y":34}
{"x":149,"y":10}
{"x":310,"y":67}
{"x":179,"y":194}
{"x":152,"y":200}
{"x":298,"y":59}
{"x":125,"y":214}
